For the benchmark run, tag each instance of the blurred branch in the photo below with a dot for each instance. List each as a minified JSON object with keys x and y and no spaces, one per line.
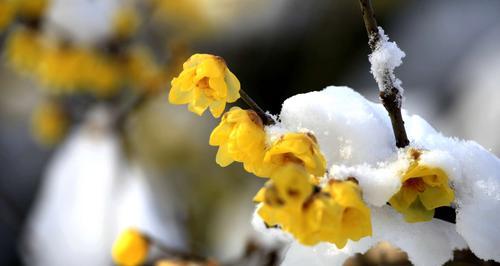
{"x":124,"y":110}
{"x":176,"y":253}
{"x":266,"y":119}
{"x":390,"y":96}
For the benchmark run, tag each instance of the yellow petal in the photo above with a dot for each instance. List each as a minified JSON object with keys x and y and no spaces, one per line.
{"x":233,"y":86}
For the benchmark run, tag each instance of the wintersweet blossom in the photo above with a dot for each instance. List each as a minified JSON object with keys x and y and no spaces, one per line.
{"x":283,"y":196}
{"x":297,"y":147}
{"x":423,"y":189}
{"x":335,"y":213}
{"x":205,"y":82}
{"x":240,"y":137}
{"x":130,"y":248}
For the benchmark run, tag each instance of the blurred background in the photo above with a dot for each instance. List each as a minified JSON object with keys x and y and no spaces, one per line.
{"x":89,"y":144}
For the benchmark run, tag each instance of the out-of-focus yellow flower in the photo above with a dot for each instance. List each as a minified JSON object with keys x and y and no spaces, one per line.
{"x":130,"y":248}
{"x":335,"y":214}
{"x":99,"y":74}
{"x":60,"y":68}
{"x":49,"y":123}
{"x":300,"y":148}
{"x":7,"y":11}
{"x":143,"y":72}
{"x":240,"y":137}
{"x":31,"y":8}
{"x":205,"y":82}
{"x":67,"y":69}
{"x":125,"y":22}
{"x":423,"y":189}
{"x":24,"y":49}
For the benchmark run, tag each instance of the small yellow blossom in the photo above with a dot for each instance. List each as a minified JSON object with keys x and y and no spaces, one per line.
{"x":24,"y":49}
{"x":125,"y":22}
{"x":240,"y":137}
{"x":284,"y":195}
{"x":335,"y":214}
{"x":130,"y":248}
{"x":205,"y":82}
{"x":298,"y":147}
{"x":423,"y":189}
{"x":7,"y":12}
{"x":49,"y":123}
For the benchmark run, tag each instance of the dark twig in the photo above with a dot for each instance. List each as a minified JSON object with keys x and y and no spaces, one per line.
{"x":390,"y":96}
{"x":266,"y":119}
{"x":176,"y":253}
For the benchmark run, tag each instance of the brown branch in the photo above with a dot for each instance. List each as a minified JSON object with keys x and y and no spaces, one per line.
{"x":390,"y":96}
{"x":266,"y":119}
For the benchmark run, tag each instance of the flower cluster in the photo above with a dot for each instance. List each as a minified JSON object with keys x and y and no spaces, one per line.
{"x":292,"y":198}
{"x":300,"y":197}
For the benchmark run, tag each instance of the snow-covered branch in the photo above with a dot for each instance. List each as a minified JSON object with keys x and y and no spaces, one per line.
{"x":383,"y":71}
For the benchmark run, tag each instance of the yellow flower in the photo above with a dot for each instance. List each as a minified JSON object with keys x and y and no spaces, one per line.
{"x":335,"y":214}
{"x":355,"y":217}
{"x":297,"y":147}
{"x":240,"y":137}
{"x":283,"y":196}
{"x":60,"y":67}
{"x":24,"y":49}
{"x":130,"y":248}
{"x":423,"y":189}
{"x":49,"y":123}
{"x":205,"y":82}
{"x":7,"y":11}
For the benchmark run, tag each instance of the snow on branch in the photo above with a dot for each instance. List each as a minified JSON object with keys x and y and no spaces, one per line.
{"x":385,"y":57}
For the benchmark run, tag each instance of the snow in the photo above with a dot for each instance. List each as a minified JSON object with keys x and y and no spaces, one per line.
{"x":386,"y":57}
{"x":356,"y":138}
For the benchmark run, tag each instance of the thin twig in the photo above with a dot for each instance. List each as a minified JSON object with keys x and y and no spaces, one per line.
{"x":390,"y":96}
{"x":266,"y":119}
{"x":176,"y":253}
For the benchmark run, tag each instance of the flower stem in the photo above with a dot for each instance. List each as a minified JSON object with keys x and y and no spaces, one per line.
{"x":266,"y":119}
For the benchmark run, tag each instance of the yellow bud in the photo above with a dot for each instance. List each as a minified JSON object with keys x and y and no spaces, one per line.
{"x":130,"y":248}
{"x":205,"y":82}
